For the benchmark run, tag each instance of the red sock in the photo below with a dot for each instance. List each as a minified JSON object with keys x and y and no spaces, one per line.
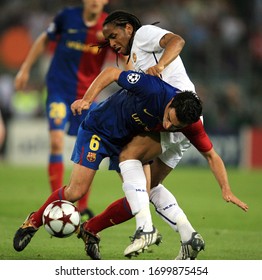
{"x":82,"y":203}
{"x":56,"y":175}
{"x":116,"y":213}
{"x":36,"y":217}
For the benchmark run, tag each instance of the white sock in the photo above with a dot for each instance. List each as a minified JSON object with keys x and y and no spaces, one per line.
{"x":168,"y":209}
{"x":134,"y":186}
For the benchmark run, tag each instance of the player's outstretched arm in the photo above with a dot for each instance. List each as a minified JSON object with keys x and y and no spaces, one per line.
{"x":36,"y":50}
{"x":217,"y":166}
{"x":230,"y":197}
{"x":104,"y":79}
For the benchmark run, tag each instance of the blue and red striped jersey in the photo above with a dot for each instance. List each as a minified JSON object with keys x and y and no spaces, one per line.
{"x":76,"y":61}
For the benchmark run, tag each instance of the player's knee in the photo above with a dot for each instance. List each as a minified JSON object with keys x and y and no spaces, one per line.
{"x":56,"y":146}
{"x":74,"y":192}
{"x":126,"y":155}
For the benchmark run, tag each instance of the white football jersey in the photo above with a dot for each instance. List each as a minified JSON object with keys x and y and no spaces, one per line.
{"x":146,"y":52}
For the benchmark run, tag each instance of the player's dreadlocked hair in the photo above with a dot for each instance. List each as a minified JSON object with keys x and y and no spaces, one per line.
{"x":121,"y":18}
{"x":188,"y":107}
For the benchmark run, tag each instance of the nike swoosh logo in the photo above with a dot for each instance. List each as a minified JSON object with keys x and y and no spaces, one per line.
{"x":23,"y":240}
{"x":72,"y":31}
{"x":145,"y":111}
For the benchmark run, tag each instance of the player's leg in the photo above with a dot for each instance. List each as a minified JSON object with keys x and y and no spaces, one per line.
{"x":135,"y":179}
{"x":57,"y":113}
{"x":165,"y":202}
{"x":56,"y":163}
{"x":116,"y":213}
{"x":80,"y":182}
{"x":73,"y":125}
{"x":168,"y":209}
{"x":83,"y":205}
{"x":119,"y":211}
{"x":135,"y":188}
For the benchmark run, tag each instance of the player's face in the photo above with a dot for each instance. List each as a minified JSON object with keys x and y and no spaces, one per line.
{"x":170,"y":121}
{"x":118,"y":37}
{"x":94,"y":6}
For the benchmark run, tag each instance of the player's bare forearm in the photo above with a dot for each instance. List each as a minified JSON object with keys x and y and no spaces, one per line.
{"x":217,"y":166}
{"x":36,"y":50}
{"x":173,"y":45}
{"x":104,"y":79}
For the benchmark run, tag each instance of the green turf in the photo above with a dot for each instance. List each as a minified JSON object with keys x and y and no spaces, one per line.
{"x":229,"y":232}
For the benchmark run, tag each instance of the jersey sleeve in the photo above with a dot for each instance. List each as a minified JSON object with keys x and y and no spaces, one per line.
{"x":55,"y":27}
{"x":139,"y":83}
{"x":197,"y":135}
{"x":148,"y":37}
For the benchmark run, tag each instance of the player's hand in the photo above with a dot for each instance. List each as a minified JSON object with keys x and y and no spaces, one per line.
{"x":228,"y":196}
{"x":21,"y":80}
{"x":155,"y":70}
{"x":79,"y":105}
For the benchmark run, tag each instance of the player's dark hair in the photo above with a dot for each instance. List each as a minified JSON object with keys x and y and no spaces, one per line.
{"x":188,"y":107}
{"x":121,"y":19}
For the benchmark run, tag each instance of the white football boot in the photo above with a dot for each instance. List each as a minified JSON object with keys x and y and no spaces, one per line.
{"x":141,"y":241}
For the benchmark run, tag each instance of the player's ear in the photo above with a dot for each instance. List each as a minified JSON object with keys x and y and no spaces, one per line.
{"x":129,"y":29}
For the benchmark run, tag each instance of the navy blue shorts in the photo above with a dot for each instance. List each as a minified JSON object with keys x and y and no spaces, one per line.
{"x":91,"y":148}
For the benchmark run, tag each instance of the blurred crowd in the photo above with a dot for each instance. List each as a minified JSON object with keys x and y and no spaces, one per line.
{"x":223,"y":53}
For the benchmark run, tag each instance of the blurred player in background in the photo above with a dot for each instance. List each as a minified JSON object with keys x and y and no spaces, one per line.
{"x":75,"y":64}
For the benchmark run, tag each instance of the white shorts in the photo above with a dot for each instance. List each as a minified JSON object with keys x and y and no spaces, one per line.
{"x":173,"y":147}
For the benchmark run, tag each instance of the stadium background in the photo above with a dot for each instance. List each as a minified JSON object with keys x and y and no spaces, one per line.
{"x":223,"y":56}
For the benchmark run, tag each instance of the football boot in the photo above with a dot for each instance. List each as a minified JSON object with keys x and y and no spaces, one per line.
{"x":141,"y":241}
{"x":190,"y":249}
{"x":91,"y":243}
{"x":24,"y":234}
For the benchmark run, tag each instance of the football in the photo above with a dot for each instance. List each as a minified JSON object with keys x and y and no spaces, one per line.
{"x":61,"y":218}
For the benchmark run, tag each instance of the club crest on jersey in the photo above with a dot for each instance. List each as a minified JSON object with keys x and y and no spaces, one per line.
{"x":91,"y":156}
{"x":133,"y":78}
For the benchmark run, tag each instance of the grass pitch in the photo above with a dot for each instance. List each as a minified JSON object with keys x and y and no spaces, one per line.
{"x":229,"y":232}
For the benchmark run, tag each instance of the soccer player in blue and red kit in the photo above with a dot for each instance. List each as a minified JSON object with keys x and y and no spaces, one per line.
{"x":75,"y":64}
{"x":140,"y":107}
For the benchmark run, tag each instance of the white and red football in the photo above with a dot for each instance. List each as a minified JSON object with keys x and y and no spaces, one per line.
{"x":61,"y":218}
